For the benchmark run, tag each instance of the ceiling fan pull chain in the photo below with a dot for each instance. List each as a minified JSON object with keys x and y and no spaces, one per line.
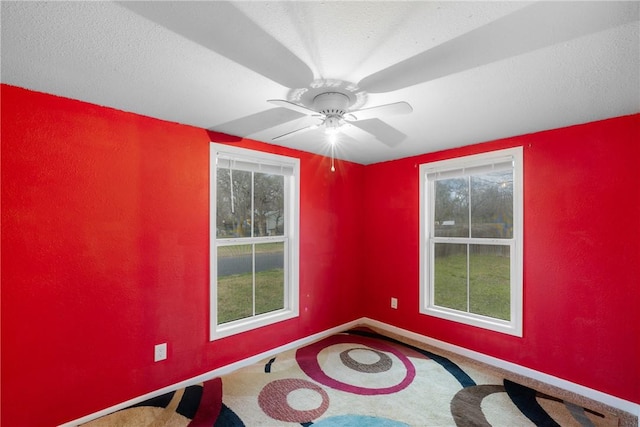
{"x":333,"y":168}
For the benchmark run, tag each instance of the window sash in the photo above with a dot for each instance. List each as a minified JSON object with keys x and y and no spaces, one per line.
{"x":234,"y":241}
{"x":286,"y":300}
{"x":287,"y":189}
{"x":470,"y":241}
{"x":255,"y":164}
{"x":463,"y":170}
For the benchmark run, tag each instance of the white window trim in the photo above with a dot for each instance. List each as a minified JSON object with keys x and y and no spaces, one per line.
{"x":427,"y":306}
{"x":291,"y":264}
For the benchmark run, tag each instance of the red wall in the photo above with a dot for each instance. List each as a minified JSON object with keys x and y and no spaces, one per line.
{"x":105,"y":254}
{"x":581,"y":255}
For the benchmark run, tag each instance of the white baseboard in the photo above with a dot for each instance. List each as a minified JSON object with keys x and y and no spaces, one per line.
{"x":223,"y":370}
{"x":607,"y":399}
{"x":615,"y":402}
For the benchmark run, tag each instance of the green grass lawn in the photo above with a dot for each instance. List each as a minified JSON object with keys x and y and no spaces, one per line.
{"x":235,"y":294}
{"x":489,"y":289}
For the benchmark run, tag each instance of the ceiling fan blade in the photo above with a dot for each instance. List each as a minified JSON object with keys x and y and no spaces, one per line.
{"x":542,"y":24}
{"x":380,"y":110}
{"x":224,"y":29}
{"x":254,"y":123}
{"x":383,"y":132}
{"x":294,"y":107}
{"x":295,"y":132}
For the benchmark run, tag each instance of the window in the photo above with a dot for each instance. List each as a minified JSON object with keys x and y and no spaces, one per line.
{"x":254,"y":199}
{"x":471,"y":240}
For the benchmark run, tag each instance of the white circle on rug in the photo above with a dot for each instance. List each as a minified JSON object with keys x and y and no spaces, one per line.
{"x":498,"y":409}
{"x":304,"y":399}
{"x":364,"y":356}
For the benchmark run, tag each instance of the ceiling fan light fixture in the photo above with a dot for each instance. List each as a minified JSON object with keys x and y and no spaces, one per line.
{"x":332,"y":125}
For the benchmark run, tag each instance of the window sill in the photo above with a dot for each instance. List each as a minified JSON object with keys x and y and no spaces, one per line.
{"x":244,"y":325}
{"x":484,"y":322}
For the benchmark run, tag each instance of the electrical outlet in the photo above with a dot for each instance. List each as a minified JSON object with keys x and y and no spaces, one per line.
{"x":394,"y":302}
{"x":160,"y":352}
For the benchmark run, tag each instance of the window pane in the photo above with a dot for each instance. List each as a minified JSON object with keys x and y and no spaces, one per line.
{"x":268,"y":205}
{"x":235,"y":283}
{"x":492,"y":205}
{"x":450,"y":276}
{"x":489,"y":281}
{"x":233,"y":203}
{"x":269,"y":277}
{"x":452,"y":207}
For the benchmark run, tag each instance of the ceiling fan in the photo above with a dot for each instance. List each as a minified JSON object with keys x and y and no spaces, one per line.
{"x":331,"y":109}
{"x":209,"y":24}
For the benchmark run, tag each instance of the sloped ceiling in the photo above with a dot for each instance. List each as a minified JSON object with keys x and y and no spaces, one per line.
{"x":472,"y":71}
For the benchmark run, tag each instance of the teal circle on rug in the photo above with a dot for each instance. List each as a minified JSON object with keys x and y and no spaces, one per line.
{"x":358,"y":421}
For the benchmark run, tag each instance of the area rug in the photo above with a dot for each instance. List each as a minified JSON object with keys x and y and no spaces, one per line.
{"x":357,"y":378}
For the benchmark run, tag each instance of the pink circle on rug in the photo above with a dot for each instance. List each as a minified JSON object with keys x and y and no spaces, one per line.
{"x":273,"y":400}
{"x":307,"y":358}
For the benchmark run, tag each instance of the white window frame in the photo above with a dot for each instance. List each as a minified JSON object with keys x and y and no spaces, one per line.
{"x":427,"y":240}
{"x":291,"y":238}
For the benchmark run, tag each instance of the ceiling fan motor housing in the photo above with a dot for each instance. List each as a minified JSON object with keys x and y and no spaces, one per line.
{"x":331,"y":104}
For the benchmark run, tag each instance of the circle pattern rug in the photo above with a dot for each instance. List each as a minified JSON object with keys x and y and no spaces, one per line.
{"x":357,"y":378}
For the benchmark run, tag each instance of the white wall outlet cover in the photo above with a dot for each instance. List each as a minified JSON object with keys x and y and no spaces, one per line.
{"x":160,"y":352}
{"x":394,"y":302}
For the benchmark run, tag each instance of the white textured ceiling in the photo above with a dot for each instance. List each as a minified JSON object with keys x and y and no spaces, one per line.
{"x":472,"y":71}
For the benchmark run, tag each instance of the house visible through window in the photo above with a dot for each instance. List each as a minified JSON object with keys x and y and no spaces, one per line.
{"x":254,"y":239}
{"x":471,"y":240}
